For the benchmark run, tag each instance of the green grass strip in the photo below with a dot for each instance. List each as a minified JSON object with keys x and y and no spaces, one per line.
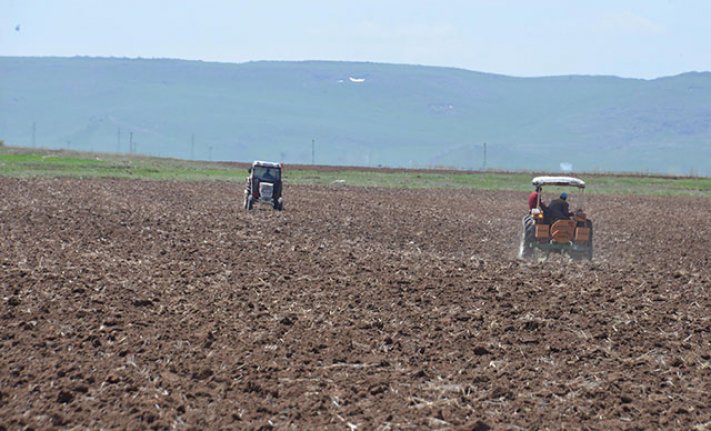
{"x":30,"y":163}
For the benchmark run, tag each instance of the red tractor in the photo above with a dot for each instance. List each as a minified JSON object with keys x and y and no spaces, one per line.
{"x":264,"y":184}
{"x":549,"y":229}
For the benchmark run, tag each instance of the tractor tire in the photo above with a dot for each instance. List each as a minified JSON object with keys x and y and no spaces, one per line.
{"x":249,"y":202}
{"x":528,"y":237}
{"x":279,"y":204}
{"x":589,"y":251}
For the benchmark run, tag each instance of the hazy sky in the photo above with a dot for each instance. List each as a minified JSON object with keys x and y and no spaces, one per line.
{"x":634,"y":38}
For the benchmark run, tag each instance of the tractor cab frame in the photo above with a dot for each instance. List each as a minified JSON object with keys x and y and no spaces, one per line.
{"x":571,"y":235}
{"x":264,"y":184}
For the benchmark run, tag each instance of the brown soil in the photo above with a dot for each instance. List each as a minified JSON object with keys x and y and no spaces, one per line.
{"x":164,"y":305}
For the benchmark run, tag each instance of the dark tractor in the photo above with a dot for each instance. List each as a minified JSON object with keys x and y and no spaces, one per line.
{"x":264,"y":185}
{"x":572,"y":235}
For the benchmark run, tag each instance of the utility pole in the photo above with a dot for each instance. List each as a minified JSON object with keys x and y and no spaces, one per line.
{"x":484,"y":167}
{"x":192,"y":146}
{"x":118,"y":140}
{"x":130,"y":143}
{"x":209,"y":152}
{"x":34,"y":134}
{"x":313,"y":151}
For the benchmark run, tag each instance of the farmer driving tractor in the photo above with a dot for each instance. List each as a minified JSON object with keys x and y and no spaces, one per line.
{"x":558,"y":209}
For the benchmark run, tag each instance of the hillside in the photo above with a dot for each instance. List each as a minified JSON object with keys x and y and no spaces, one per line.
{"x":358,"y":114}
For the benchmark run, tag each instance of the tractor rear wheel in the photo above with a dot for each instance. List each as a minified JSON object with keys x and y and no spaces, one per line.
{"x":527,"y":238}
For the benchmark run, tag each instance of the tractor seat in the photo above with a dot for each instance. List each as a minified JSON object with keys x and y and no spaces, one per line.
{"x":563,"y":231}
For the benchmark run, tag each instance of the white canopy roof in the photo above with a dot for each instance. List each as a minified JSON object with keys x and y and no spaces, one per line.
{"x":558,"y":181}
{"x":266,"y":164}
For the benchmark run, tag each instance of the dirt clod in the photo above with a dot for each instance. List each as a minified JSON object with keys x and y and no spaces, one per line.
{"x":65,"y":397}
{"x":480,"y":426}
{"x":14,"y":301}
{"x":481,"y":351}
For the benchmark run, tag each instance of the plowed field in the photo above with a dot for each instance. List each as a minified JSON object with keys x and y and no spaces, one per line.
{"x":129,"y":304}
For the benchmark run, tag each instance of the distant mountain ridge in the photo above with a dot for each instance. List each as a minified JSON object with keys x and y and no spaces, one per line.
{"x":358,"y":114}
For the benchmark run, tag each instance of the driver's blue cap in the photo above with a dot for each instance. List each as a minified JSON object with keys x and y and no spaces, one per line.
{"x":564,"y":195}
